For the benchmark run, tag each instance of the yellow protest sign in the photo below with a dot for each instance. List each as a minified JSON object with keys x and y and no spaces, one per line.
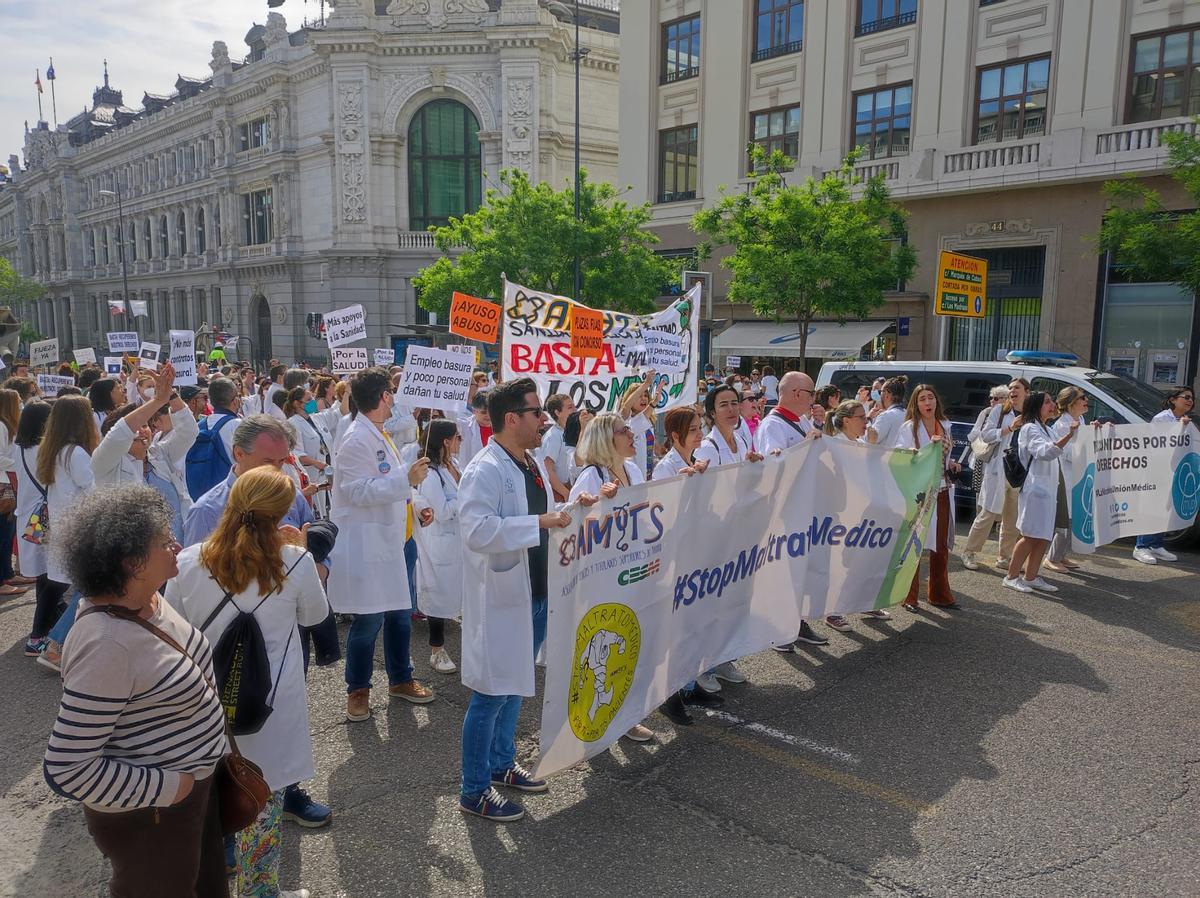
{"x":961,"y":286}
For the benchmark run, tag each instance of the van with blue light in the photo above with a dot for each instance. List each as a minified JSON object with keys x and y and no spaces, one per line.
{"x":964,"y":388}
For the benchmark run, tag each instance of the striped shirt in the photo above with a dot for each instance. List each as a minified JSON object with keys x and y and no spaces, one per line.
{"x":135,"y":713}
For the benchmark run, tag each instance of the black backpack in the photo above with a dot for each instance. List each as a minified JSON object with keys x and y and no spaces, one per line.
{"x":242,"y":671}
{"x":1014,"y":471}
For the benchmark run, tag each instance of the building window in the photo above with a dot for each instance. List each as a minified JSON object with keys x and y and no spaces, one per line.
{"x":252,"y":135}
{"x":1012,"y":100}
{"x":104,"y":240}
{"x":201,"y":238}
{"x":217,"y":240}
{"x":677,"y":164}
{"x":883,"y":121}
{"x":777,"y":129}
{"x":880,"y":15}
{"x":445,"y":165}
{"x":147,"y":240}
{"x":131,"y":241}
{"x":778,"y":28}
{"x":164,"y":241}
{"x":181,"y":233}
{"x":681,"y":50}
{"x":1164,"y":81}
{"x":90,"y":243}
{"x":256,"y":213}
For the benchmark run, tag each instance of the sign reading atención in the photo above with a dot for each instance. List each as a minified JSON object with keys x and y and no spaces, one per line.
{"x":962,"y":286}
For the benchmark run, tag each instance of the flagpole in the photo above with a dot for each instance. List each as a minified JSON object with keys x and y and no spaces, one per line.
{"x":53,"y":99}
{"x":38,"y":82}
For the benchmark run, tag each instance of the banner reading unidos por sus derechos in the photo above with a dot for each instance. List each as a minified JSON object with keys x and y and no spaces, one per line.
{"x":671,"y":578}
{"x":1131,"y":479}
{"x":537,"y":344}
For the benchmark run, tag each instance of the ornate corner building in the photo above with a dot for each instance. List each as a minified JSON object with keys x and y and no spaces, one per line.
{"x":304,"y":177}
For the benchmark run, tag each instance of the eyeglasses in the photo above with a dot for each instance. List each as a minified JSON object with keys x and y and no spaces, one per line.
{"x":621,"y":431}
{"x":526,"y":409}
{"x":172,"y":545}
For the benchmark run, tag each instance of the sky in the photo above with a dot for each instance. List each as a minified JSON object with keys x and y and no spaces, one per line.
{"x":147,"y":44}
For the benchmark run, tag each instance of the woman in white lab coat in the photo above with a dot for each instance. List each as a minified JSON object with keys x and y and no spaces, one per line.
{"x":1072,"y":405}
{"x":925,"y":423}
{"x":605,"y":458}
{"x":439,"y":544}
{"x":371,"y":493}
{"x":1038,"y":503}
{"x":997,"y":499}
{"x":724,"y":445}
{"x":684,"y":435}
{"x":244,"y":566}
{"x":1151,"y":548}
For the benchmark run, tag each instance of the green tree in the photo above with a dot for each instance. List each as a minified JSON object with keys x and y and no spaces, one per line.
{"x":528,"y":231}
{"x":18,"y":293}
{"x":1144,"y":236}
{"x":820,"y":249}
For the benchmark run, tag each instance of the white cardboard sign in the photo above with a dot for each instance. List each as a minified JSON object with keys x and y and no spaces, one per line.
{"x":85,"y":356}
{"x":44,"y":352}
{"x":122,"y":341}
{"x":148,"y":356}
{"x":435,"y":378}
{"x":347,"y":325}
{"x":349,"y":360}
{"x":50,"y":384}
{"x":183,"y":357}
{"x":385,"y":357}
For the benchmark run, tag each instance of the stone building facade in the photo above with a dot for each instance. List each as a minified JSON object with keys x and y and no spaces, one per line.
{"x":994,"y":122}
{"x":303,"y":178}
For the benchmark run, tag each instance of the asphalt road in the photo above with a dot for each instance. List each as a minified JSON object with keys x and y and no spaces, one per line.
{"x":1021,"y":746}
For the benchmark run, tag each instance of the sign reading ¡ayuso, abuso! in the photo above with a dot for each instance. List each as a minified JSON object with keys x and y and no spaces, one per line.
{"x":1131,"y":479}
{"x":647,"y":593}
{"x":537,"y":344}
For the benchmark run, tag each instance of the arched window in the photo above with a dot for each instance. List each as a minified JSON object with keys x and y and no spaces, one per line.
{"x":201,"y":241}
{"x":89,"y":243}
{"x":104,"y":245}
{"x":131,"y":242}
{"x":147,"y":240}
{"x":444,"y":164}
{"x":164,"y":244}
{"x":181,"y":233}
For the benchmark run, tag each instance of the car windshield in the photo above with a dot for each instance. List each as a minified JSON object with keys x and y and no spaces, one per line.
{"x":1135,"y":395}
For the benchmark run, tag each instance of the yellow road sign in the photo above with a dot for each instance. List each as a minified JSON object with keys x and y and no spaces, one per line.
{"x":962,"y":286}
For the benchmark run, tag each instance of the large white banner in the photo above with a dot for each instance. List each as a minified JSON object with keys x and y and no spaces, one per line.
{"x":1131,"y":479}
{"x":536,"y":337}
{"x":673,"y":577}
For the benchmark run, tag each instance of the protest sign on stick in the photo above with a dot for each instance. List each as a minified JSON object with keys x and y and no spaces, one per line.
{"x":122,"y":341}
{"x":348,"y":359}
{"x":474,"y":318}
{"x":183,"y":357}
{"x":435,"y":378}
{"x":587,"y":333}
{"x":112,"y":364}
{"x":85,"y":356}
{"x":148,"y":356}
{"x":385,"y":357}
{"x":50,"y":384}
{"x":43,"y":352}
{"x":347,"y":325}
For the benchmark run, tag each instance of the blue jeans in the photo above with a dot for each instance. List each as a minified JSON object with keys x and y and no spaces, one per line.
{"x":490,"y":726}
{"x":59,"y":631}
{"x":360,"y":648}
{"x":410,"y":562}
{"x":1152,"y":541}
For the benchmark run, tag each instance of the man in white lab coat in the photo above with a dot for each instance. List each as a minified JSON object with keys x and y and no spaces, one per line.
{"x":506,"y":512}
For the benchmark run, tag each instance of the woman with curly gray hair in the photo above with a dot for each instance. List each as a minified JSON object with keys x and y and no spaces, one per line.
{"x":139,"y":730}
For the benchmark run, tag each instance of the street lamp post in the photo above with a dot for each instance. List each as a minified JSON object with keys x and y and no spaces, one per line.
{"x":576,"y":56}
{"x":121,"y":244}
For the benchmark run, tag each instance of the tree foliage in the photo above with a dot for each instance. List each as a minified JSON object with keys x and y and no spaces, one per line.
{"x":1144,"y":236}
{"x":804,"y":251}
{"x":18,"y":293}
{"x":528,"y":231}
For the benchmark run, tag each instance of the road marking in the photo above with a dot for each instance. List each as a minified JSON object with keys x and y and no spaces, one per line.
{"x":828,"y":774}
{"x":795,"y":741}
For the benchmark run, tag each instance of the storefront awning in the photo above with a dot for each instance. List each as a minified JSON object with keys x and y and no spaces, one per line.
{"x":826,"y":339}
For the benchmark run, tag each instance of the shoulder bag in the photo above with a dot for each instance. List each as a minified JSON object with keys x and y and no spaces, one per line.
{"x":242,"y":792}
{"x":983,"y":450}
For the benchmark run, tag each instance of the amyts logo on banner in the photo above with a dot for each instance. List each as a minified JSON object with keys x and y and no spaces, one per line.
{"x":536,"y":330}
{"x":1131,"y":479}
{"x":648,"y":593}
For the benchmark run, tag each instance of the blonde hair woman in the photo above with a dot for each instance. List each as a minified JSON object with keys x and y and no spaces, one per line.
{"x":250,"y":566}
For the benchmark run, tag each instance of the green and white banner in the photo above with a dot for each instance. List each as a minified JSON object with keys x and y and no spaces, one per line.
{"x":671,"y":578}
{"x":1131,"y":479}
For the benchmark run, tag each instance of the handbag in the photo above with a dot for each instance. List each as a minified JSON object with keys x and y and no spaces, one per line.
{"x":37,"y":528}
{"x":983,"y":450}
{"x":1014,"y":470}
{"x":8,"y":498}
{"x":242,"y":792}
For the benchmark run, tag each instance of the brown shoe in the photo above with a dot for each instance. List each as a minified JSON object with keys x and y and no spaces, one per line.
{"x":412,"y":691}
{"x":358,"y":705}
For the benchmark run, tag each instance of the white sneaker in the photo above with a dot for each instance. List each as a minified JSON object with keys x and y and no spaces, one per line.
{"x":729,"y":673}
{"x":1145,"y":556}
{"x":1018,"y":584}
{"x":1039,"y":584}
{"x":442,"y":662}
{"x":708,"y":683}
{"x":969,"y":562}
{"x":639,"y":733}
{"x":1163,"y":555}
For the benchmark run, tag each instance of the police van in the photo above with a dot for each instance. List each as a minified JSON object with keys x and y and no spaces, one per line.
{"x":964,"y":388}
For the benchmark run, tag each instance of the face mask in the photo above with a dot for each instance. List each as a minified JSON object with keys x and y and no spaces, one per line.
{"x":310,"y":406}
{"x":875,"y":395}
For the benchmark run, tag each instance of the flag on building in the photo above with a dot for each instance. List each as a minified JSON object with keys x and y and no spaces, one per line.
{"x":38,"y":80}
{"x":50,"y":71}
{"x":116,"y":306}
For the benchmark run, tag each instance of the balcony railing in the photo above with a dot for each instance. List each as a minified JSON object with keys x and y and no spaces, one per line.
{"x":777,"y":50}
{"x":680,"y":74}
{"x":678,"y":196}
{"x":1001,"y":155}
{"x":1140,"y":136}
{"x":877,"y":25}
{"x":417,"y":240}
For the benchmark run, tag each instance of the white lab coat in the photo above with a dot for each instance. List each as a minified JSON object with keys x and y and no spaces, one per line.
{"x":591,"y":479}
{"x":73,"y":479}
{"x":991,"y":493}
{"x":669,"y":465}
{"x":497,"y":531}
{"x":439,"y":548}
{"x":112,"y":464}
{"x":714,"y":450}
{"x":283,"y":747}
{"x":887,"y":425}
{"x":1038,"y":501}
{"x":777,"y":432}
{"x":370,"y":507}
{"x":29,"y":500}
{"x":904,"y":440}
{"x":472,"y":440}
{"x":643,"y":441}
